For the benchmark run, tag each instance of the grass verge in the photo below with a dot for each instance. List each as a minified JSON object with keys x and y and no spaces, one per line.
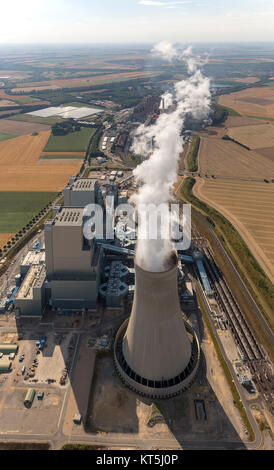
{"x":253,"y":276}
{"x":191,"y":160}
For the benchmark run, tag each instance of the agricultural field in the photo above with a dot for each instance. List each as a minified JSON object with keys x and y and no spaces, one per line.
{"x":21,"y":168}
{"x":18,"y":208}
{"x":5,"y":237}
{"x":267,"y":152}
{"x":35,"y":119}
{"x":7,"y":103}
{"x":61,"y":156}
{"x":238,"y":121}
{"x":73,"y":142}
{"x":227,"y":159}
{"x":247,"y":80}
{"x":4,"y":137}
{"x":80,"y":82}
{"x":8,"y":126}
{"x":251,"y":102}
{"x":250,"y":208}
{"x":253,"y":137}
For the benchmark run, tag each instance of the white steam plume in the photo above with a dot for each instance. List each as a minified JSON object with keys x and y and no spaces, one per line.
{"x":159,"y":173}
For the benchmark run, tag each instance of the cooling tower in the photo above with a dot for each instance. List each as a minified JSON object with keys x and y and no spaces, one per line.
{"x":156,"y":350}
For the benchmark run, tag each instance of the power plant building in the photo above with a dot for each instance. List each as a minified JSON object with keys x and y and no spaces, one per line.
{"x":72,"y":261}
{"x":82,"y":191}
{"x":30,"y":299}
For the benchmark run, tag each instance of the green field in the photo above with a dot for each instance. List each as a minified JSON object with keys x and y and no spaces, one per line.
{"x":38,"y":120}
{"x":61,"y":157}
{"x":4,"y":137}
{"x":78,"y":104}
{"x":261,"y":117}
{"x":26,"y":100}
{"x":18,"y":208}
{"x":74,"y":142}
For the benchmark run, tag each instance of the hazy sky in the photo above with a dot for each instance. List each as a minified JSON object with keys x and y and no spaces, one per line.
{"x":104,"y":21}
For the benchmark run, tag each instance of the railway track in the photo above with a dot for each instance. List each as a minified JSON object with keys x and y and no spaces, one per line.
{"x":253,"y":354}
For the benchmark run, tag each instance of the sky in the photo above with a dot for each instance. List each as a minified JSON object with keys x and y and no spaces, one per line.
{"x":136,"y":21}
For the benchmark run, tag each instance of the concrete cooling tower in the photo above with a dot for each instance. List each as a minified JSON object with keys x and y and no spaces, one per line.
{"x":156,"y":351}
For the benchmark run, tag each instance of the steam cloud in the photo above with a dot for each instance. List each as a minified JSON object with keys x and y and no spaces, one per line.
{"x":158,"y":173}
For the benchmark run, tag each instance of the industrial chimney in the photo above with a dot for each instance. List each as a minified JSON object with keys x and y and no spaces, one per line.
{"x":156,"y":350}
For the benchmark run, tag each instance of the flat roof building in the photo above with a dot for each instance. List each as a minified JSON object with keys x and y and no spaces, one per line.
{"x":33,"y":257}
{"x":72,"y":261}
{"x":81,"y":192}
{"x":30,"y":299}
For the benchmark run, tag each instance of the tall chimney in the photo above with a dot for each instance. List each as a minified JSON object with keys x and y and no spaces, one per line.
{"x":156,"y":351}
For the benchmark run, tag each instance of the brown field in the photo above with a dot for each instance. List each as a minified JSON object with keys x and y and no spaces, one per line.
{"x":247,"y":80}
{"x":3,"y":95}
{"x":5,"y":113}
{"x":21,"y":128}
{"x":83,"y":81}
{"x":267,"y":152}
{"x":21,"y":170}
{"x":4,"y":103}
{"x":4,"y":238}
{"x":253,"y":136}
{"x":252,"y":101}
{"x":238,"y":121}
{"x":250,"y":207}
{"x":227,"y":159}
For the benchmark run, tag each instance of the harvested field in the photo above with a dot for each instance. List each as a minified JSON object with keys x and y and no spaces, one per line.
{"x":83,"y":81}
{"x":238,"y":121}
{"x":9,"y":112}
{"x":253,"y":137}
{"x":267,"y":152}
{"x":252,"y":101}
{"x":227,"y":159}
{"x":7,"y":126}
{"x":247,"y":80}
{"x":20,"y":169}
{"x":4,"y":238}
{"x":5,"y":103}
{"x":250,"y":208}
